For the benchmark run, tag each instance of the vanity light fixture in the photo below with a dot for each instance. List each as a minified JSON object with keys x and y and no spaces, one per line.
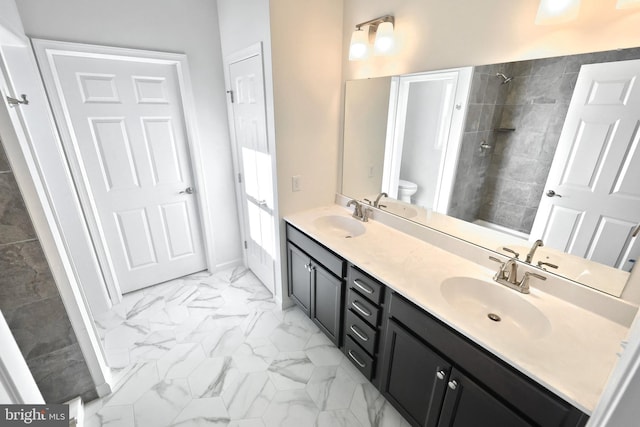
{"x":627,"y":4}
{"x":380,"y":30}
{"x":552,"y":12}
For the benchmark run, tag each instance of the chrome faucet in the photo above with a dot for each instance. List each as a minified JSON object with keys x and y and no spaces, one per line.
{"x":376,"y":204}
{"x":535,"y":246}
{"x":359,"y":212}
{"x":508,"y":274}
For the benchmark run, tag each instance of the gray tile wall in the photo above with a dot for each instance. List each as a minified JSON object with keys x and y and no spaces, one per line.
{"x":486,"y":97}
{"x":31,"y":303}
{"x":514,"y":174}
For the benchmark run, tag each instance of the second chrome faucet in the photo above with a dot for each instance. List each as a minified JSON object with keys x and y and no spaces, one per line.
{"x":508,"y":273}
{"x":360,"y":212}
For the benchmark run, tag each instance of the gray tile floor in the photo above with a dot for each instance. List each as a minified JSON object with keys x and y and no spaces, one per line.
{"x":214,"y":350}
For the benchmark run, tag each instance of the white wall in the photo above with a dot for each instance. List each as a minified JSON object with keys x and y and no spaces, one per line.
{"x":186,"y":26}
{"x":436,"y":34}
{"x":307,"y":87}
{"x":366,"y":110}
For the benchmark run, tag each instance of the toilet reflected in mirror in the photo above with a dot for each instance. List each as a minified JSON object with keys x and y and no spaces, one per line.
{"x":406,"y":190}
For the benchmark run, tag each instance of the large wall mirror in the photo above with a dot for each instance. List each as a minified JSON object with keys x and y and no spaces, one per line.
{"x":507,"y":154}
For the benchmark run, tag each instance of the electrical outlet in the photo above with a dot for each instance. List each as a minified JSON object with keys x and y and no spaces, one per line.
{"x":296,"y":185}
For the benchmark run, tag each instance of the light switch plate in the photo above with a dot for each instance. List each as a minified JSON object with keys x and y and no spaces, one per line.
{"x":296,"y":185}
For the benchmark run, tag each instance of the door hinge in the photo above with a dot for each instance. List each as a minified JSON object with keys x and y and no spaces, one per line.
{"x":245,"y":245}
{"x":239,"y":178}
{"x":230,"y":92}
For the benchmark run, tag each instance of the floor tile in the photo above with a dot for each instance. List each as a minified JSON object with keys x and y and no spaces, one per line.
{"x":162,"y":403}
{"x":290,"y":371}
{"x":291,"y":408}
{"x":203,"y":412}
{"x":215,"y":350}
{"x":180,"y":361}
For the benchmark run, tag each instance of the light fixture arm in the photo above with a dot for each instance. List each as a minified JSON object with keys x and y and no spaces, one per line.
{"x":373,"y":23}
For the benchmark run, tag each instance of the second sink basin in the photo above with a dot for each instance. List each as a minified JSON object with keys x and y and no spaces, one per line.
{"x":493,"y":305}
{"x":339,"y":226}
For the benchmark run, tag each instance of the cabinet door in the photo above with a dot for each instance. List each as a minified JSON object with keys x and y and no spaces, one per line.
{"x":414,"y":378}
{"x":327,"y":294}
{"x":299,"y":278}
{"x":466,"y":404}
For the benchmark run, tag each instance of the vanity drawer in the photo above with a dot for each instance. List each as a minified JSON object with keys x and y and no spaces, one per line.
{"x":358,"y":357}
{"x":362,"y":307}
{"x":361,"y":332}
{"x":365,"y":285}
{"x":324,"y":256}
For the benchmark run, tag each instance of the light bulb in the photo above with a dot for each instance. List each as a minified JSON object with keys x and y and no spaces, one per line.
{"x":359,"y":48}
{"x":557,"y":11}
{"x":385,"y":40}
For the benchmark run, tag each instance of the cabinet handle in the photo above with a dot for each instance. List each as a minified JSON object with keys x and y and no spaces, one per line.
{"x":355,"y":359}
{"x":361,"y":309}
{"x":453,"y":384}
{"x":360,"y":334}
{"x":363,"y":287}
{"x":440,"y":374}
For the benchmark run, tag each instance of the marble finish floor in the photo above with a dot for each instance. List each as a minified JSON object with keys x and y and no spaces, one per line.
{"x":214,"y":350}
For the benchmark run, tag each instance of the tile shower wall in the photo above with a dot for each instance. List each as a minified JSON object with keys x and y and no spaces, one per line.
{"x":31,"y":304}
{"x":486,"y":97}
{"x":513,"y":173}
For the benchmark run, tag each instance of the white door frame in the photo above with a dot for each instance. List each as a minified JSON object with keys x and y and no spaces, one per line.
{"x":45,"y":51}
{"x":453,"y":137}
{"x":32,"y":147}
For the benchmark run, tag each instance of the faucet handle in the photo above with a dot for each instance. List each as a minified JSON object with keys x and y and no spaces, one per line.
{"x":368,"y":201}
{"x":548,"y":264}
{"x":511,"y":251}
{"x":366,"y":213}
{"x":524,"y":283}
{"x":492,"y":258}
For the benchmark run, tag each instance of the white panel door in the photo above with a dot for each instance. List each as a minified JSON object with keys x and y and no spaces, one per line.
{"x":257,"y":198}
{"x":127,"y":128}
{"x":591,"y":204}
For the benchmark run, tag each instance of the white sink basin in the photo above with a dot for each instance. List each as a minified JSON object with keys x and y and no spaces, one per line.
{"x":491,"y":305}
{"x":339,"y":226}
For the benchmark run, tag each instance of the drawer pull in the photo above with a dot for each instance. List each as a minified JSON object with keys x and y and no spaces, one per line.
{"x":360,"y":309}
{"x":355,"y":359}
{"x":359,"y":333}
{"x":363,"y":287}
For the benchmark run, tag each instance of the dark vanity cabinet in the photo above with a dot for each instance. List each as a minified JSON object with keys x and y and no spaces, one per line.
{"x":316,"y":282}
{"x":435,"y":377}
{"x":431,"y":373}
{"x":362,"y":326}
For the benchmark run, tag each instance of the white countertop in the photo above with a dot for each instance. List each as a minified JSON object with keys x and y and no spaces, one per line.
{"x":573,"y":359}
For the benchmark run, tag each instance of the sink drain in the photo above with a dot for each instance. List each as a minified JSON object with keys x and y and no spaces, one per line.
{"x":347,"y":237}
{"x":494,"y":317}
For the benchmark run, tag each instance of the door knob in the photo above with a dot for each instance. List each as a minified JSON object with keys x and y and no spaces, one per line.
{"x":453,"y":384}
{"x":187,"y":190}
{"x":552,"y":193}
